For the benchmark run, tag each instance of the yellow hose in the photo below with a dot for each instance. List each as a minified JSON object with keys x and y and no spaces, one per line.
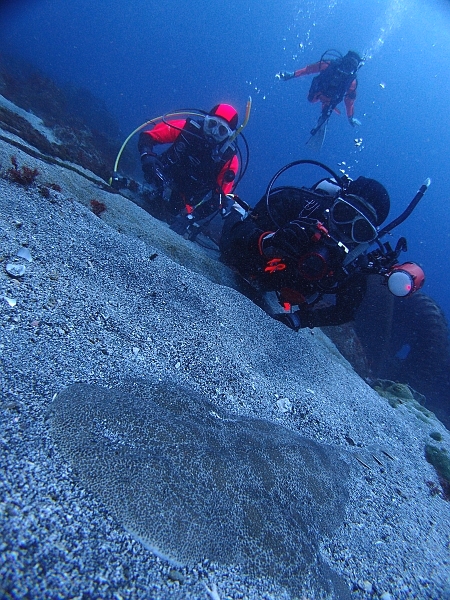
{"x":248,"y":108}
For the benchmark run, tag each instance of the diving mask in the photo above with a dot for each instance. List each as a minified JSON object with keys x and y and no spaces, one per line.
{"x":351,"y":221}
{"x":216,"y":128}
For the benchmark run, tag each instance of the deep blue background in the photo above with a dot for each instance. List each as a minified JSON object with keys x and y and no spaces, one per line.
{"x":145,"y":58}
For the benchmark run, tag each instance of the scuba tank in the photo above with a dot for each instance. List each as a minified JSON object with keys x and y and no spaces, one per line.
{"x":333,"y":81}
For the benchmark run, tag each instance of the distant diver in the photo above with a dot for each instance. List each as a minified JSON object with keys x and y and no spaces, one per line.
{"x":335,"y":82}
{"x":199,"y":167}
{"x":191,"y":181}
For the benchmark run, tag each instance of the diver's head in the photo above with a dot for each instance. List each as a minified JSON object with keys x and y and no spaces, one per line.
{"x":373,"y":193}
{"x":355,"y":215}
{"x":220,"y":123}
{"x":351,"y":61}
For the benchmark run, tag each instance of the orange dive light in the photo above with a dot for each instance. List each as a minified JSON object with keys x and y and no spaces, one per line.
{"x":404,"y":280}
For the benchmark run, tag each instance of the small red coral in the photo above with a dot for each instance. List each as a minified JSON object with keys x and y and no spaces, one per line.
{"x":44,"y":191}
{"x":23,"y":176}
{"x":97,"y":207}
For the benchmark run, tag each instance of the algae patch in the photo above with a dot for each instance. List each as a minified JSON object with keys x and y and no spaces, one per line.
{"x":439,"y":458}
{"x":402,"y":394}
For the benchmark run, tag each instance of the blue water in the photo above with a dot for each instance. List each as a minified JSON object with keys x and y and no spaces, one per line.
{"x":144,"y":58}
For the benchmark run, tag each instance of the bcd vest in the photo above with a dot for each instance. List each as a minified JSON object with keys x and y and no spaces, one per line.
{"x":332,"y":82}
{"x":190,"y":162}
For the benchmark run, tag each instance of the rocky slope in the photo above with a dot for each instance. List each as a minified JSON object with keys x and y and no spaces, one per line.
{"x":189,"y":381}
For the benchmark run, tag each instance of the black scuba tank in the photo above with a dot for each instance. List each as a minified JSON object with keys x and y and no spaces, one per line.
{"x":189,"y":161}
{"x":332,"y":82}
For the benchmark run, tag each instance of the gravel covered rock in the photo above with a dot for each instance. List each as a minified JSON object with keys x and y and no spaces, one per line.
{"x":119,"y":297}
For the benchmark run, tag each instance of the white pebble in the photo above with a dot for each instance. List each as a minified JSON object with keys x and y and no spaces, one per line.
{"x":24,"y":253}
{"x":284,"y":404}
{"x":10,"y":301}
{"x":15,"y":269}
{"x":365,"y":585}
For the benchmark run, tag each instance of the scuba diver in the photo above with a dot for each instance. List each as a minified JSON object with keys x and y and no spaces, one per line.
{"x":307,"y":244}
{"x":335,"y":82}
{"x":190,"y":180}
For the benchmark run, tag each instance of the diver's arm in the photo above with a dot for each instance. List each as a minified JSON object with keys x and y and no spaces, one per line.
{"x":227,"y":175}
{"x":348,"y":300}
{"x":162,"y":133}
{"x":312,"y":69}
{"x":239,"y":243}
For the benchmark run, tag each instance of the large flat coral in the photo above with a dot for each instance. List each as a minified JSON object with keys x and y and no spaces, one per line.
{"x":193,"y":482}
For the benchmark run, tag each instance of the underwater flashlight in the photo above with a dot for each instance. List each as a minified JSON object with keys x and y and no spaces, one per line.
{"x":404,"y":280}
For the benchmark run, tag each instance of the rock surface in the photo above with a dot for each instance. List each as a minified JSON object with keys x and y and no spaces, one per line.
{"x":118,"y":297}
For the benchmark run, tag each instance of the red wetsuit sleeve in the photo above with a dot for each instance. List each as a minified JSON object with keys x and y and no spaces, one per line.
{"x":349,"y":98}
{"x":311,"y":69}
{"x":166,"y":133}
{"x":231,"y":165}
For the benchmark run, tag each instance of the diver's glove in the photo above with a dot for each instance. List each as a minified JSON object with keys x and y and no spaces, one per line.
{"x":285,"y":75}
{"x":354,"y":122}
{"x":184,"y":224}
{"x":292,"y":320}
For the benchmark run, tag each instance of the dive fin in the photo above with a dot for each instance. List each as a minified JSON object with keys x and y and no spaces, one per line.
{"x":317,"y":138}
